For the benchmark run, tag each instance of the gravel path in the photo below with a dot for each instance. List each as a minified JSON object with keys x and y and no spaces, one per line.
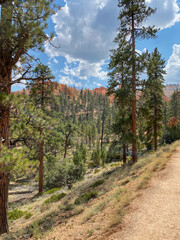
{"x":156,"y":214}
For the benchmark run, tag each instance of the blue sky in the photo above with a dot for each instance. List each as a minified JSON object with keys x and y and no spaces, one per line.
{"x":85,"y":30}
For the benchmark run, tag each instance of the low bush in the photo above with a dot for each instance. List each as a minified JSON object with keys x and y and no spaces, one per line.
{"x":16,"y":213}
{"x":86,"y":197}
{"x":51,"y":191}
{"x":97,"y":183}
{"x":64,"y":173}
{"x":69,"y":207}
{"x":28,"y":215}
{"x":55,"y":198}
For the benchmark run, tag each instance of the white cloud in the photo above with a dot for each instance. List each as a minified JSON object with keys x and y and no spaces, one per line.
{"x":138,"y":51}
{"x":173,"y":66}
{"x":55,"y":60}
{"x":167,"y":13}
{"x":98,"y":84}
{"x":85,"y":31}
{"x":69,"y":82}
{"x":83,"y":70}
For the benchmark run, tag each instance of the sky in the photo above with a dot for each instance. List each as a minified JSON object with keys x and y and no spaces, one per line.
{"x":84,"y":34}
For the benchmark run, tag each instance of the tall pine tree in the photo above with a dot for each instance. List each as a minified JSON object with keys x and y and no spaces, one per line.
{"x":41,"y":92}
{"x":133,"y":14}
{"x":22,"y":27}
{"x":154,"y":97}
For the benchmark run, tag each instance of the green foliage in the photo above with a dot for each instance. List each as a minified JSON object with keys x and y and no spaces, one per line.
{"x":55,"y":198}
{"x":175,"y":105}
{"x":153,"y":98}
{"x":86,"y":197}
{"x":114,"y":152}
{"x":69,"y":207}
{"x":80,"y":155}
{"x":98,"y":156}
{"x":97,"y":183}
{"x":64,"y":173}
{"x":51,"y":191}
{"x":15,"y":161}
{"x":126,"y":66}
{"x":28,"y":215}
{"x":16,"y":213}
{"x":28,"y":25}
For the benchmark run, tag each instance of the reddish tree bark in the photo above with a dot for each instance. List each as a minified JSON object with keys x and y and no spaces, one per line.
{"x":155,"y":130}
{"x":134,"y":144}
{"x":4,"y":183}
{"x":66,"y":144}
{"x":124,"y":153}
{"x":41,"y":166}
{"x":5,"y":79}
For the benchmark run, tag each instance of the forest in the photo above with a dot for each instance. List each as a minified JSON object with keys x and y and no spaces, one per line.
{"x":52,"y":135}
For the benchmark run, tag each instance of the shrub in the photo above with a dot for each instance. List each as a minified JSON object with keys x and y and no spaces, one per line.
{"x":55,"y":198}
{"x":86,"y":197}
{"x":64,"y":173}
{"x":51,"y":191}
{"x":97,"y":183}
{"x":114,"y":152}
{"x":69,"y":207}
{"x":96,"y":158}
{"x":15,"y":214}
{"x":28,"y":215}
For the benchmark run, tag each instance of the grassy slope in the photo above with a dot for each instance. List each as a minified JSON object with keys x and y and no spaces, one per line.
{"x":104,"y":195}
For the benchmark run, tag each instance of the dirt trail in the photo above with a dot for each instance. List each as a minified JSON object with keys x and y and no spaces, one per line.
{"x":156,"y":214}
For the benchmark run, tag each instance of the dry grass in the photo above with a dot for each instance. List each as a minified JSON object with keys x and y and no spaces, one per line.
{"x":117,"y":187}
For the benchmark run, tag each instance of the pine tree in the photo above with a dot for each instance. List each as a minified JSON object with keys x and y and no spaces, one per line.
{"x":132,"y":15}
{"x":22,"y":25}
{"x":154,"y":97}
{"x":175,"y":105}
{"x":120,"y":85}
{"x":41,"y":92}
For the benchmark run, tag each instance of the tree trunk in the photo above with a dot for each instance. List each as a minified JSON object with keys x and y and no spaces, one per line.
{"x":134,"y":144}
{"x":124,"y":153}
{"x":4,"y":125}
{"x":66,"y":144}
{"x":5,"y":112}
{"x":155,"y":129}
{"x":41,"y":148}
{"x":4,"y":183}
{"x":41,"y":166}
{"x":5,"y":79}
{"x":102,"y":132}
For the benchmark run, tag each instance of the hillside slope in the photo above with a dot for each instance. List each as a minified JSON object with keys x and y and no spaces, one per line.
{"x":156,"y":214}
{"x":95,"y":207}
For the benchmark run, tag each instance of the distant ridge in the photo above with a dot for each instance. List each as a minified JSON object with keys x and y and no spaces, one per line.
{"x":72,"y":91}
{"x":170,"y":88}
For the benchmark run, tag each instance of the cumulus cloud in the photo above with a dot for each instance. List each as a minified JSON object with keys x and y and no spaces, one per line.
{"x":84,"y":69}
{"x":97,"y":84}
{"x":69,"y":82}
{"x":173,"y":66}
{"x":85,"y":31}
{"x":167,"y":13}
